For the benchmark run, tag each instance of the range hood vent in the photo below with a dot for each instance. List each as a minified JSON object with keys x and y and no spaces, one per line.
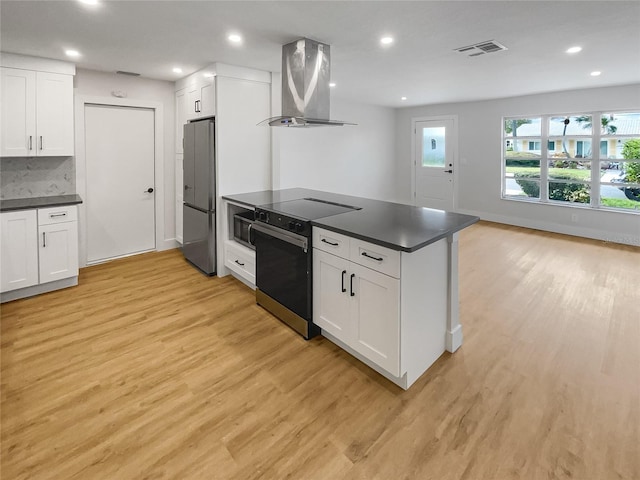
{"x":306,"y":72}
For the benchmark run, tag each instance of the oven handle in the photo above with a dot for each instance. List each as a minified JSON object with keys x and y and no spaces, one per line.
{"x":297,"y":240}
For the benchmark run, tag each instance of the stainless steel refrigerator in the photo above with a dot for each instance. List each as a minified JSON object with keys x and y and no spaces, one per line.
{"x":199,"y":209}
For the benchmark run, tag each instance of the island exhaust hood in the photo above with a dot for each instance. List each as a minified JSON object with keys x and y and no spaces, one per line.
{"x":306,"y":71}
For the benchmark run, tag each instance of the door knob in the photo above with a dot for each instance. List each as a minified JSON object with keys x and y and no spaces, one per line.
{"x":448,"y":171}
{"x":148,"y":190}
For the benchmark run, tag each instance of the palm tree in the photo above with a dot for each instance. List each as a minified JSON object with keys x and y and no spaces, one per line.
{"x":606,"y":125}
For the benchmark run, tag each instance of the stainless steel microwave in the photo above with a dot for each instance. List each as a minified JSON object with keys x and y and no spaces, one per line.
{"x":242,"y":227}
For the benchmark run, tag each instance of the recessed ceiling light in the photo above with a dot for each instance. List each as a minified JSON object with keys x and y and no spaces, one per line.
{"x":332,"y":84}
{"x":89,"y":2}
{"x":235,"y":38}
{"x":403,"y":98}
{"x":574,"y":49}
{"x":386,"y":40}
{"x":596,"y":73}
{"x":177,"y":70}
{"x":72,"y":53}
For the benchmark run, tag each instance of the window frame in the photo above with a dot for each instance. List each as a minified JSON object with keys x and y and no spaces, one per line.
{"x":595,"y":160}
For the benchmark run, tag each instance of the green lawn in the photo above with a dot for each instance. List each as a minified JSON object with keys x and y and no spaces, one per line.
{"x":620,"y":203}
{"x":573,"y":173}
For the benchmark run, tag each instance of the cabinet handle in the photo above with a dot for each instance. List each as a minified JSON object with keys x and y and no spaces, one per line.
{"x":241,"y":264}
{"x":330,"y":243}
{"x":365,"y":254}
{"x":30,"y":142}
{"x":343,"y":274}
{"x":41,"y":143}
{"x":54,"y":215}
{"x":351,"y":285}
{"x":249,"y":234}
{"x":44,"y":239}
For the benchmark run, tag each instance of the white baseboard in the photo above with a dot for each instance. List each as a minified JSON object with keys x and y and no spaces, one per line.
{"x":453,"y":340}
{"x":576,"y":231}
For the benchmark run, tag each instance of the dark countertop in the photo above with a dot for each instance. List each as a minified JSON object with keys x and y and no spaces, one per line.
{"x":393,"y":225}
{"x":38,"y":202}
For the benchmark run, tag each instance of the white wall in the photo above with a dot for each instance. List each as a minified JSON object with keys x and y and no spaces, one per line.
{"x":479,"y":166}
{"x":90,"y":83}
{"x":354,"y":160}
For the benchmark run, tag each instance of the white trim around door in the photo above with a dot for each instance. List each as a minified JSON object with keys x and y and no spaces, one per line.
{"x":456,"y":160}
{"x":162,"y":243}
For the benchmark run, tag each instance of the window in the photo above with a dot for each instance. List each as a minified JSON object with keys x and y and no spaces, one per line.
{"x":569,"y":170}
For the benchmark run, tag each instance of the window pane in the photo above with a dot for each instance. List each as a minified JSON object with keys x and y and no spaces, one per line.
{"x":518,"y":149}
{"x":522,"y":178}
{"x":620,"y":185}
{"x":571,"y":147}
{"x":433,"y":147}
{"x":570,"y":170}
{"x":620,"y":124}
{"x":522,"y":127}
{"x":572,"y":125}
{"x":521,"y":187}
{"x":622,"y":148}
{"x":569,"y":192}
{"x":627,"y":198}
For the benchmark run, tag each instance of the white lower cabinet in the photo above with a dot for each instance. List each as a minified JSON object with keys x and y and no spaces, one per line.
{"x":39,"y":247}
{"x":358,"y":306}
{"x":19,"y":250}
{"x":58,"y":251}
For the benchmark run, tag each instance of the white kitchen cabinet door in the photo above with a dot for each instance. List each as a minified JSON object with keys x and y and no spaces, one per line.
{"x":331,"y":298}
{"x":54,"y":114}
{"x":19,"y":250}
{"x":207,"y":103}
{"x":18,"y":113}
{"x":58,"y":251}
{"x":192,"y":101}
{"x":181,"y":118}
{"x":375,"y":312}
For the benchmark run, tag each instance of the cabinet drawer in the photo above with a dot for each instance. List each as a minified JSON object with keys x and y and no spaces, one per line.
{"x":380,"y":259}
{"x":47,"y":216}
{"x":241,"y":260}
{"x":331,"y":242}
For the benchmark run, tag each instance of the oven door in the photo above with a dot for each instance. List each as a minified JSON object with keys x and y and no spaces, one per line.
{"x":283,"y":267}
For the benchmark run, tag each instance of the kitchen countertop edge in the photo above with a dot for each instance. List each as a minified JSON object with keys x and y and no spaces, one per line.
{"x":266,"y":197}
{"x":394,"y":246}
{"x":14,"y":204}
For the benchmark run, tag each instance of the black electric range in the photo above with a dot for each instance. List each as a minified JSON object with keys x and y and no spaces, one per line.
{"x":282,"y":237}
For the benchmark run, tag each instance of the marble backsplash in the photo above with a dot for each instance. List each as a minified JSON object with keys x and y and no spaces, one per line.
{"x":22,"y":177}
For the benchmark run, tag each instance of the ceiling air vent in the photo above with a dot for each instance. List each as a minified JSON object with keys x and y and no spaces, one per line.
{"x":131,"y":74}
{"x":481,"y":48}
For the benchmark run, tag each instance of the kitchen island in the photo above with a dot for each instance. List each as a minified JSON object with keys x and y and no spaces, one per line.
{"x":385,"y":279}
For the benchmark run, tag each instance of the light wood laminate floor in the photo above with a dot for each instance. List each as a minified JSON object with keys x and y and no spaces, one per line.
{"x":150,"y":370}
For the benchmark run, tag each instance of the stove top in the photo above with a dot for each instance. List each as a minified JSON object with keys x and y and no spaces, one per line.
{"x":308,"y":208}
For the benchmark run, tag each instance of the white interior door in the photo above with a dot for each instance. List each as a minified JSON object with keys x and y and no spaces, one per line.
{"x":120,"y":181}
{"x":435,"y":145}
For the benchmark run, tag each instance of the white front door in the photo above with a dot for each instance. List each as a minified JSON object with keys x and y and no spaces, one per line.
{"x":434,"y":164}
{"x":120,"y":181}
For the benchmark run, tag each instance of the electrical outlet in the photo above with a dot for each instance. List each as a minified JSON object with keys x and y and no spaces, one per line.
{"x":575,"y":217}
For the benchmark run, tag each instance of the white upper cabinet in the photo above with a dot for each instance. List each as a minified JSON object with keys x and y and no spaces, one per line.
{"x":54,"y":114}
{"x":37,"y":113}
{"x":18,"y":113}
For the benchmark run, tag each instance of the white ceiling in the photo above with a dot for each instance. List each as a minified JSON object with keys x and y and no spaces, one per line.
{"x":151,"y":37}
